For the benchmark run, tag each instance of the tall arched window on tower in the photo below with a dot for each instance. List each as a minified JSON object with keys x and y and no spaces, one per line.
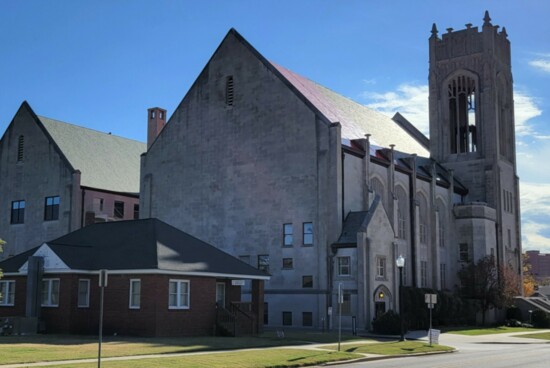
{"x":462,"y":93}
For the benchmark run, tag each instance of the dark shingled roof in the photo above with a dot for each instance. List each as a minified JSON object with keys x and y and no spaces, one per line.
{"x":148,"y":244}
{"x":354,"y":220}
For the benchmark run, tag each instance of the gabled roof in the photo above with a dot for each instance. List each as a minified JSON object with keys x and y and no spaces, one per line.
{"x":105,"y":161}
{"x":139,"y":245}
{"x":356,"y":119}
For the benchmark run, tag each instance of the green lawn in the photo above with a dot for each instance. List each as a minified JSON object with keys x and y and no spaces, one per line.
{"x":391,"y":348}
{"x":540,"y":335}
{"x":474,"y":331}
{"x":26,"y":349}
{"x":279,"y":358}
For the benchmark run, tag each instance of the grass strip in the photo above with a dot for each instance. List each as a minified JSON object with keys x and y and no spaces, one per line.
{"x":271,"y":358}
{"x":540,"y":335}
{"x":41,"y":348}
{"x":391,"y":348}
{"x":489,"y":331}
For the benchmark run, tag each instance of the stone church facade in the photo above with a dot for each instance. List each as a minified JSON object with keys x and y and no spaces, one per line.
{"x":325,"y":193}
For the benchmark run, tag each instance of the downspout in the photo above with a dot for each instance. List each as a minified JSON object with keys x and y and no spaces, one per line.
{"x":343,"y":190}
{"x":412,"y":212}
{"x":82,"y":208}
{"x":366,"y":185}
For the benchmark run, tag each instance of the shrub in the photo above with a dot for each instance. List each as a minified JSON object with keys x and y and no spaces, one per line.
{"x":388,"y":323}
{"x":540,"y":319}
{"x":514,"y":313}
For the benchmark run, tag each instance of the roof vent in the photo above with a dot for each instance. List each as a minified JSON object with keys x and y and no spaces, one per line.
{"x":229,"y":91}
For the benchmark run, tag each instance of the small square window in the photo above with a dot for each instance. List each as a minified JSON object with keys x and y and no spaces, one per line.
{"x":380,"y":267}
{"x":136,"y":211}
{"x":178,"y":294}
{"x":344,"y":266}
{"x":7,"y":293}
{"x":50,"y":292}
{"x":51,"y":208}
{"x":17,"y":212}
{"x":135,"y":294}
{"x":83,"y":293}
{"x":119,"y":209}
{"x":464,"y":254}
{"x":307,"y":281}
{"x":287,"y":234}
{"x":288,"y":263}
{"x":307,"y":319}
{"x":308,"y":233}
{"x":287,"y":318}
{"x":263,"y":262}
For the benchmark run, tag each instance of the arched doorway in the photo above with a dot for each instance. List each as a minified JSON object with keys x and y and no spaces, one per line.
{"x":382,"y":300}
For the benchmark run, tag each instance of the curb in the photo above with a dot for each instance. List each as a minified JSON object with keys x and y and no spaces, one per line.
{"x":384,"y":357}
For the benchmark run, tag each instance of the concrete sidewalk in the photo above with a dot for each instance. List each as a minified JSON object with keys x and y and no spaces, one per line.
{"x":455,"y":340}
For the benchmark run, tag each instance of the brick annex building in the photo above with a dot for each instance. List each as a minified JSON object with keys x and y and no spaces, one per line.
{"x":321,"y":191}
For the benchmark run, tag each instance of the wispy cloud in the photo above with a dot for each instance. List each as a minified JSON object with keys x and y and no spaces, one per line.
{"x":410,"y":100}
{"x":525,"y":109}
{"x":535,"y":212}
{"x":542,"y":63}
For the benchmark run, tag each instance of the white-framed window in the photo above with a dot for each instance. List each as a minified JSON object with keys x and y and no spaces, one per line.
{"x":135,"y":294}
{"x":344,"y":267}
{"x":287,"y":235}
{"x":308,"y":233}
{"x":7,"y":293}
{"x":83,"y":293}
{"x":220,"y":294}
{"x":50,"y":292}
{"x":178,"y":294}
{"x":380,"y":267}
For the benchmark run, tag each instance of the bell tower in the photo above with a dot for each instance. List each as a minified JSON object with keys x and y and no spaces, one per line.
{"x":472,"y":124}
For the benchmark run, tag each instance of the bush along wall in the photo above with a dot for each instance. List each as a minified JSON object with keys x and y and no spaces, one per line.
{"x":450,"y":310}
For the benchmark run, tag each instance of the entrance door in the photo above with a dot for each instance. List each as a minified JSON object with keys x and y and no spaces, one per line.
{"x":220,"y":294}
{"x":379,"y":309}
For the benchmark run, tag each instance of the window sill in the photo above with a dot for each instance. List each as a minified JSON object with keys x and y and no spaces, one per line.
{"x":134,"y":308}
{"x":178,"y":308}
{"x":83,"y":306}
{"x":50,"y":306}
{"x":7,"y":305}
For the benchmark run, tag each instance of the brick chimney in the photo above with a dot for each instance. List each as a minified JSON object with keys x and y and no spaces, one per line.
{"x":156,"y":119}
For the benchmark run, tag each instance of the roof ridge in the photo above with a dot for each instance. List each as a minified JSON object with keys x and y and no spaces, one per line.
{"x":89,"y":129}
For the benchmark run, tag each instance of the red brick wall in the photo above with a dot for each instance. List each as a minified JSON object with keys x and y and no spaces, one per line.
{"x":154,"y":318}
{"x":20,"y":294}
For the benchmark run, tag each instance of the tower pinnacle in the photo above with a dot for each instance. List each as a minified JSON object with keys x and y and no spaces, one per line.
{"x":434,"y":31}
{"x":487,"y":19}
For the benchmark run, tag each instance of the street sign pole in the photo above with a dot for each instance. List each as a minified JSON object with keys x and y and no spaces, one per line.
{"x":340,"y":301}
{"x":102,"y":285}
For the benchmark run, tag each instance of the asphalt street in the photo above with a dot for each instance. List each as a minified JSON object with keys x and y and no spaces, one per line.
{"x":488,"y":351}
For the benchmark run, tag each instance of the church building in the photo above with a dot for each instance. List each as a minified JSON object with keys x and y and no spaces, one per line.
{"x":325,"y":193}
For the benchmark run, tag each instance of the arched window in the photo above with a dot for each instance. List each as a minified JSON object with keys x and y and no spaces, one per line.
{"x":442,"y":219}
{"x":402,"y":211}
{"x":462,"y":93}
{"x":423,"y":219}
{"x":378,"y":188}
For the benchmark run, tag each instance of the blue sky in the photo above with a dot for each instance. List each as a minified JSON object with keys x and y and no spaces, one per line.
{"x":101,"y":64}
